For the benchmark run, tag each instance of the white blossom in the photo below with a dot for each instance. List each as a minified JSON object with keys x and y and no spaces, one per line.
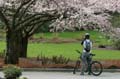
{"x":74,"y":13}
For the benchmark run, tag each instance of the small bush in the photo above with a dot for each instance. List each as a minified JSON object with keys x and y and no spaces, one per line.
{"x":60,"y":60}
{"x":45,"y":60}
{"x":12,"y":72}
{"x":102,"y":46}
{"x":2,"y":53}
{"x":117,"y":44}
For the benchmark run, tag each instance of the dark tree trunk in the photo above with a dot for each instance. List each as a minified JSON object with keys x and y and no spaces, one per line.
{"x":24,"y":47}
{"x":16,"y":47}
{"x":13,"y":47}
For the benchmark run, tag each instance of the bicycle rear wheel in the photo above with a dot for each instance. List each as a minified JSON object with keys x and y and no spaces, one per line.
{"x":77,"y":65}
{"x":96,"y":68}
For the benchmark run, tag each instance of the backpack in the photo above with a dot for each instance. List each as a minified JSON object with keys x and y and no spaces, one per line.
{"x":88,"y":46}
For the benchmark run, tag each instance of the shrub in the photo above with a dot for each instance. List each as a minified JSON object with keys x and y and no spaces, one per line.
{"x":12,"y":72}
{"x":2,"y":53}
{"x":44,"y":60}
{"x":117,"y":44}
{"x":102,"y":46}
{"x":60,"y":60}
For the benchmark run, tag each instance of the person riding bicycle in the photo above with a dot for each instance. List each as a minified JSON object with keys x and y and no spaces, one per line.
{"x":85,"y":58}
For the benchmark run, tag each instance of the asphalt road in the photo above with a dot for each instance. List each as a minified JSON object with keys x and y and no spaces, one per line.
{"x":67,"y":75}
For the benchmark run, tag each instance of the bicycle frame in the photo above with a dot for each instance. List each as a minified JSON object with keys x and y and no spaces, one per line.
{"x":89,"y":66}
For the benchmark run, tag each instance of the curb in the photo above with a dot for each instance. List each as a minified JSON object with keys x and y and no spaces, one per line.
{"x":59,"y":70}
{"x":62,"y":70}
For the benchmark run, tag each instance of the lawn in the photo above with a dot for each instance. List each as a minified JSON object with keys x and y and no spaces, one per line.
{"x":97,"y":37}
{"x":68,"y":49}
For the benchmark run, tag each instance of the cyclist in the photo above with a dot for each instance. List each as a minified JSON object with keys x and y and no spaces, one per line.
{"x":85,"y":58}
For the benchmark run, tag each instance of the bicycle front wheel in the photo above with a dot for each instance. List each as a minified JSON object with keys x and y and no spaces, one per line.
{"x":77,"y":65}
{"x":96,"y":68}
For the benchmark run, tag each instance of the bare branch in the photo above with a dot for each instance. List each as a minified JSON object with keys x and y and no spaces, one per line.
{"x":4,"y":19}
{"x":24,"y":11}
{"x":38,"y":25}
{"x":28,"y":18}
{"x":31,"y":28}
{"x":18,"y":10}
{"x":44,"y":19}
{"x":34,"y":29}
{"x":27,"y":22}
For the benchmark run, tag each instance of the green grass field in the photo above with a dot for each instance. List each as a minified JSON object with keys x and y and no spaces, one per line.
{"x":97,"y":37}
{"x":68,"y":49}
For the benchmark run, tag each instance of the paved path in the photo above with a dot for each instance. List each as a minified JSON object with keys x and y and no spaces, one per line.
{"x":66,"y":75}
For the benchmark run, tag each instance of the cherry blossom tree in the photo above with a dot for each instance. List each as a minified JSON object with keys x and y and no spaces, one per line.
{"x":23,"y":17}
{"x":89,"y":14}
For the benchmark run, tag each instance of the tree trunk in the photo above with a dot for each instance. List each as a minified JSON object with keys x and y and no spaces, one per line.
{"x":24,"y":47}
{"x":13,"y":40}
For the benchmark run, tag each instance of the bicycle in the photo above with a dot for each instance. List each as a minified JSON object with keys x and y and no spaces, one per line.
{"x":94,"y":67}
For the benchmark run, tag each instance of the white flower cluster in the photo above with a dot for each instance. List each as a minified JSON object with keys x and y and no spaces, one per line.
{"x":74,"y":13}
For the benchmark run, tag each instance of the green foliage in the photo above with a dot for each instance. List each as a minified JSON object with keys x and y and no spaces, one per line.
{"x":117,"y":44}
{"x":2,"y":54}
{"x":115,"y":20}
{"x":44,"y":28}
{"x":54,"y":59}
{"x":44,"y":59}
{"x":60,"y":60}
{"x":12,"y":71}
{"x":2,"y":25}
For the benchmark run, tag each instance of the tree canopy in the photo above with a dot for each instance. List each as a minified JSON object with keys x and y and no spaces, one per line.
{"x":22,"y":18}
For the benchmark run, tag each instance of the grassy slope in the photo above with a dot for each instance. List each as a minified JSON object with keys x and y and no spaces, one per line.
{"x":97,"y":37}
